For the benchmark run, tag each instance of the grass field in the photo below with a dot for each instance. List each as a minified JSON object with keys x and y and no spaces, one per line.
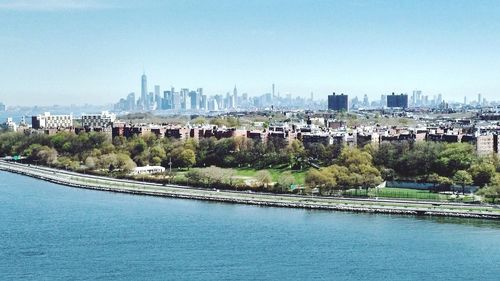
{"x":275,"y":173}
{"x":403,"y":193}
{"x":250,"y":173}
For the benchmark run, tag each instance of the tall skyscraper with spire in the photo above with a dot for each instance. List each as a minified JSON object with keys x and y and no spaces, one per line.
{"x":144,"y":92}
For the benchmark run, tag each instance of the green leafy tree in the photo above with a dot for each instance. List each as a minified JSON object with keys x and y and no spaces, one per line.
{"x":482,"y":173}
{"x":463,"y":178}
{"x":285,"y":181}
{"x":187,"y":158}
{"x":455,"y":157}
{"x":264,"y":178}
{"x":492,"y":192}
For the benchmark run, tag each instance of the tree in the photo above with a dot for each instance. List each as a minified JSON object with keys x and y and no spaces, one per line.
{"x":439,"y":182}
{"x":482,"y":173}
{"x":47,"y":155}
{"x":264,"y":178}
{"x":463,"y":178}
{"x":320,"y":179}
{"x":200,"y":120}
{"x":187,"y":158}
{"x":295,"y":151}
{"x":285,"y":181}
{"x":455,"y":157}
{"x":125,"y":163}
{"x":492,"y":192}
{"x":195,"y":175}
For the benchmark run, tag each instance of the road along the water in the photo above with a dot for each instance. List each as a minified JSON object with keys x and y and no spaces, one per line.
{"x":402,"y":207}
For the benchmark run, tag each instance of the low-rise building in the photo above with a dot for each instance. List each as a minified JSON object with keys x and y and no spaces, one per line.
{"x":148,"y":170}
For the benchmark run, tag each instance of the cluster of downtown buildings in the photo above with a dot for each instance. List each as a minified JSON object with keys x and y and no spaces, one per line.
{"x":187,"y":100}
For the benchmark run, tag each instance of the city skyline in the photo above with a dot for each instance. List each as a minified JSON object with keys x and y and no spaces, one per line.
{"x":78,"y":52}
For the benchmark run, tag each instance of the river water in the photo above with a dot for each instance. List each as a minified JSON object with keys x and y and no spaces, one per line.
{"x":52,"y":232}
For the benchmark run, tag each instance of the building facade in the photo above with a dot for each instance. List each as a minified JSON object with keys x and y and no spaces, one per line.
{"x":338,"y":102}
{"x":48,"y":121}
{"x":399,"y":101}
{"x":98,"y":120}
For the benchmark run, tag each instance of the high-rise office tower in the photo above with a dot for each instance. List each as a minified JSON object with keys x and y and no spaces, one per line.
{"x":167,"y":100}
{"x":194,"y":100}
{"x":479,"y":99}
{"x":465,"y":100}
{"x":235,"y":97}
{"x":366,"y":102}
{"x":184,"y":95}
{"x":439,"y":99}
{"x":383,"y":100}
{"x":176,"y":101}
{"x":131,"y":101}
{"x":417,"y":98}
{"x":204,"y":102}
{"x":144,"y":92}
{"x":158,"y":98}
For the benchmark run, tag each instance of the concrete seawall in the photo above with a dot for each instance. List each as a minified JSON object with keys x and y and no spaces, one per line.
{"x":259,"y":199}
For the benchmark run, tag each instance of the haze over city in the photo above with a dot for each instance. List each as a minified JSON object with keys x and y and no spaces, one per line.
{"x":95,"y":51}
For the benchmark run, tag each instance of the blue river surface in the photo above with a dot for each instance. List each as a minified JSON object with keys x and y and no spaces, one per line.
{"x":53,"y":232}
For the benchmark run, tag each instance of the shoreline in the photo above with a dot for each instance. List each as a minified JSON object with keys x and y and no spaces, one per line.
{"x":398,"y":207}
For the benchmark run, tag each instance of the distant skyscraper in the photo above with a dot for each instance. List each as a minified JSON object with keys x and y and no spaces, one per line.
{"x":479,"y":99}
{"x":144,"y":92}
{"x":235,"y":97}
{"x":204,"y":102}
{"x":338,"y":102}
{"x":397,"y":100}
{"x":383,"y":100}
{"x":131,"y":101}
{"x":365,"y":100}
{"x":193,"y":100}
{"x":465,"y":100}
{"x":158,"y":99}
{"x":176,"y":101}
{"x":417,"y":98}
{"x":167,"y":100}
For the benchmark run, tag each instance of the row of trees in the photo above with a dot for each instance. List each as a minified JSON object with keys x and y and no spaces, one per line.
{"x":342,"y":167}
{"x":98,"y":151}
{"x":354,"y":168}
{"x":441,"y":163}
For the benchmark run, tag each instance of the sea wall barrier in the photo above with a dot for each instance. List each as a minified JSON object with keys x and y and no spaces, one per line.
{"x":81,"y":181}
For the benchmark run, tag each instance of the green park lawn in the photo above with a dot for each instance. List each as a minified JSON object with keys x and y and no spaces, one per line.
{"x":275,"y":173}
{"x":401,"y":193}
{"x":251,"y":173}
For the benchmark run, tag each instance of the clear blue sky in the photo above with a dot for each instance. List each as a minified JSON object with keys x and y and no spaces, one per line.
{"x":69,"y":51}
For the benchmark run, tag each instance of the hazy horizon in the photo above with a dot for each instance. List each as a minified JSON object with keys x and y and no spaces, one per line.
{"x":94,"y":51}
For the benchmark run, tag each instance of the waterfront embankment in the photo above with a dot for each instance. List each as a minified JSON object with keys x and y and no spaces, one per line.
{"x":400,"y":207}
